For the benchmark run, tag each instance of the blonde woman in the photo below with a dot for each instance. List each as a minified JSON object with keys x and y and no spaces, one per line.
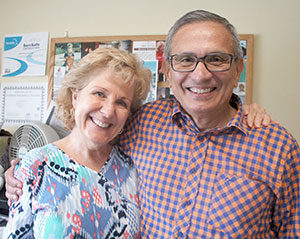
{"x":83,"y":186}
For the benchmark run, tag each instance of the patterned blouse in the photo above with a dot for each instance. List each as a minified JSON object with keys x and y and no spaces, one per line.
{"x":63,"y":199}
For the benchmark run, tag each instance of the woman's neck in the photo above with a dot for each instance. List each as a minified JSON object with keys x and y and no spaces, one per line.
{"x":89,"y":156}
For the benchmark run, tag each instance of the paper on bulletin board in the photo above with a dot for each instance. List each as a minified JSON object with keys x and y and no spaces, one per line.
{"x":0,"y":58}
{"x":152,"y":65}
{"x":240,"y":90}
{"x":22,"y":103}
{"x":145,"y":50}
{"x":25,"y":54}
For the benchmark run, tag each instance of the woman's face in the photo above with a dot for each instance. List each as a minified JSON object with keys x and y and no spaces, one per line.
{"x":102,"y":107}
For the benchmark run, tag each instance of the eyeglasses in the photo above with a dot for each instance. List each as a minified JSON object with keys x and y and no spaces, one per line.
{"x":214,"y":62}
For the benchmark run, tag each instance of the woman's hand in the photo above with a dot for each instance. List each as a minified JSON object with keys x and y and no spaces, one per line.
{"x":12,"y":185}
{"x":256,"y":115}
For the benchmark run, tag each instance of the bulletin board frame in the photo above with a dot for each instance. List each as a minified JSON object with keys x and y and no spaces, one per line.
{"x":248,"y":56}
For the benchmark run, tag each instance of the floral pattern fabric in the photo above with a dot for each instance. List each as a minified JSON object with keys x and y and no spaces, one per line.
{"x":63,"y":199}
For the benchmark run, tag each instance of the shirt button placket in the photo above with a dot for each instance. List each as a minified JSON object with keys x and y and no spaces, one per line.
{"x":180,"y":234}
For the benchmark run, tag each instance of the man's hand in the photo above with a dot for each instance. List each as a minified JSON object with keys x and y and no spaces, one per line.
{"x":12,"y":185}
{"x":256,"y":115}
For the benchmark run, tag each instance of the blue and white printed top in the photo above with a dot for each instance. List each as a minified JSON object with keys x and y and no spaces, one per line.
{"x":63,"y":199}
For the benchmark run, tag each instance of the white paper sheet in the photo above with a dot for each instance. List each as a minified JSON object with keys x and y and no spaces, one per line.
{"x":145,"y":50}
{"x":25,"y":54}
{"x":152,"y":65}
{"x":23,"y":102}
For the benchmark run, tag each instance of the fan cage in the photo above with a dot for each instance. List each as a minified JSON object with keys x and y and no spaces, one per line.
{"x":30,"y":136}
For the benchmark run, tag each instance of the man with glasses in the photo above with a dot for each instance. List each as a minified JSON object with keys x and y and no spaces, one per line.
{"x":203,"y":173}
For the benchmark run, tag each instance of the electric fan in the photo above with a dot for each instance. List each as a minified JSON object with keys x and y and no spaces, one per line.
{"x":30,"y":136}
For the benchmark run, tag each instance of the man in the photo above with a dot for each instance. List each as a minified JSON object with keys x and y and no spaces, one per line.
{"x":188,"y":149}
{"x":202,"y":172}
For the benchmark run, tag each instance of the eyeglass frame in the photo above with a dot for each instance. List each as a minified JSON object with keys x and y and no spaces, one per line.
{"x":202,"y":59}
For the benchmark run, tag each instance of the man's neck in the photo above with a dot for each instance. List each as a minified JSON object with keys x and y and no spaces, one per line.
{"x":216,"y":119}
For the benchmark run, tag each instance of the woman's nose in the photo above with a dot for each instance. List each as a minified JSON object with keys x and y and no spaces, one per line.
{"x":107,"y":109}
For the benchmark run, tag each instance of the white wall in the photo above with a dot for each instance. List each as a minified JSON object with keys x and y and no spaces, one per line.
{"x":275,"y":24}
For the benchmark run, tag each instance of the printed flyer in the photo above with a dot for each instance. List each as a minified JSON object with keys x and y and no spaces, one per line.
{"x":25,"y":54}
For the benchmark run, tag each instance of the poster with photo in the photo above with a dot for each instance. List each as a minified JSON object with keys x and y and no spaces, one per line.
{"x":67,"y":55}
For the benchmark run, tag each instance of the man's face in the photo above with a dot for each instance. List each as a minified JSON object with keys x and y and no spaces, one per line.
{"x":202,"y":92}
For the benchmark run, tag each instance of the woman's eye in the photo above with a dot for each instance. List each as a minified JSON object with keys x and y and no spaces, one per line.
{"x":99,"y":93}
{"x":122,"y":103}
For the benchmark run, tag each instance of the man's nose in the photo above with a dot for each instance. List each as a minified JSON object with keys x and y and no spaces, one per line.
{"x":201,"y":71}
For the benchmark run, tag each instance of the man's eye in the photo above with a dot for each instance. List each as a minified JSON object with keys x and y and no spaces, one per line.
{"x":216,"y":59}
{"x":185,"y":59}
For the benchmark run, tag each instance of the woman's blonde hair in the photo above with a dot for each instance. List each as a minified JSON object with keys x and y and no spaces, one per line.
{"x":122,"y":63}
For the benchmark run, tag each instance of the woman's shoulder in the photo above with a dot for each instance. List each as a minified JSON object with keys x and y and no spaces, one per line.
{"x":48,"y":154}
{"x":50,"y":157}
{"x":36,"y":154}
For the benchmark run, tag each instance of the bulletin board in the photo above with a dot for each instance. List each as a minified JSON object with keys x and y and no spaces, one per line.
{"x":67,"y":51}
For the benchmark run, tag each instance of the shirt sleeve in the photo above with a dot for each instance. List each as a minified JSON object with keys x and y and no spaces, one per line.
{"x":21,"y":217}
{"x":287,"y":209}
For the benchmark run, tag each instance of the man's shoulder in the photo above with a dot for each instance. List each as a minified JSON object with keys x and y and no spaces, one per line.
{"x":155,"y":107}
{"x":275,"y":133}
{"x":160,"y":103}
{"x":281,"y":131}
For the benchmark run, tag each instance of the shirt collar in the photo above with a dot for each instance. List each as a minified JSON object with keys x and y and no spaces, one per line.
{"x":237,"y":122}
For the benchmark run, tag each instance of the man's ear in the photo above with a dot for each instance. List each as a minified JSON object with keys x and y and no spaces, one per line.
{"x":166,"y":70}
{"x":239,"y":70}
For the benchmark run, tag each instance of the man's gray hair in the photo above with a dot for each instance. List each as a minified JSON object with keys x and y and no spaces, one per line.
{"x":203,"y":16}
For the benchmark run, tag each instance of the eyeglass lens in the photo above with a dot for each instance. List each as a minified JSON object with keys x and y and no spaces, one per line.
{"x":213,"y":62}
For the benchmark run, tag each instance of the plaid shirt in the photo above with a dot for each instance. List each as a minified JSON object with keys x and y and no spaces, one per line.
{"x":225,"y":183}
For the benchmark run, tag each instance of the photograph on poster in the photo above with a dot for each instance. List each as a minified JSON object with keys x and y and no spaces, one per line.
{"x":67,"y":55}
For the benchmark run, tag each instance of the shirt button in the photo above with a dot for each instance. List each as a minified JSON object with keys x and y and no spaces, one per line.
{"x":193,"y":170}
{"x":187,"y":203}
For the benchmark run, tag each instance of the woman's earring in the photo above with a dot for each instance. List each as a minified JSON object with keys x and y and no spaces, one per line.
{"x":72,"y":111}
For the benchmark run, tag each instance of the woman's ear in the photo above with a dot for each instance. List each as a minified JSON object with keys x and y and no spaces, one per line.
{"x":74,"y":96}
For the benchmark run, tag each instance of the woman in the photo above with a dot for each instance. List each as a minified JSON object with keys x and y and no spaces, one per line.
{"x":83,"y":186}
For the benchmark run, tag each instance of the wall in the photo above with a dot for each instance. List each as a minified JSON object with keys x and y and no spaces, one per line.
{"x":275,"y":24}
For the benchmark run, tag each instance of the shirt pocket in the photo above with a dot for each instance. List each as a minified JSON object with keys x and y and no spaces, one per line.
{"x":240,"y":206}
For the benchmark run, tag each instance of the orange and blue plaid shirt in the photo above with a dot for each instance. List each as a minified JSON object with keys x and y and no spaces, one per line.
{"x":231,"y":182}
